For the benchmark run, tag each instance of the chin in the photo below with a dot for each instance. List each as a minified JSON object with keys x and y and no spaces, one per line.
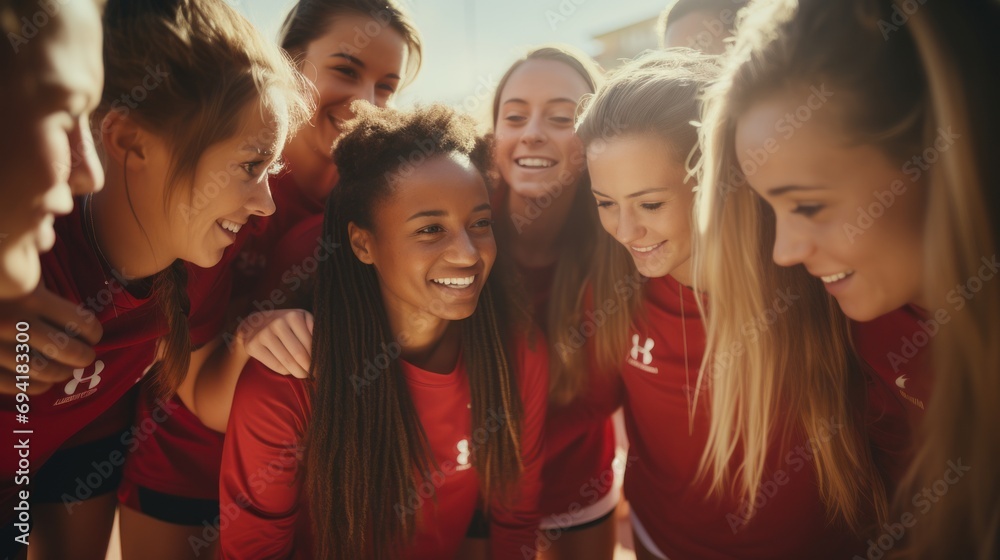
{"x":26,"y":275}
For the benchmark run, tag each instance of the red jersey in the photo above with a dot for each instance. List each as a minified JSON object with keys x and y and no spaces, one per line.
{"x":895,"y":347}
{"x":579,"y":436}
{"x":125,"y":353}
{"x":660,"y":477}
{"x":179,"y":455}
{"x":261,"y":499}
{"x":292,"y":205}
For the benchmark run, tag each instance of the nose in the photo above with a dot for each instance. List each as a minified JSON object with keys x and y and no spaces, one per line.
{"x":629,"y":229}
{"x":260,"y":202}
{"x":86,"y":174}
{"x":791,"y":246}
{"x":366,"y":92}
{"x":533,"y":131}
{"x":462,"y":251}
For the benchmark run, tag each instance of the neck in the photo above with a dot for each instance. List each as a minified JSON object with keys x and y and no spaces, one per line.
{"x":120,"y":239}
{"x":426,"y":341}
{"x":682,"y":274}
{"x":535,"y":231}
{"x":315,"y":174}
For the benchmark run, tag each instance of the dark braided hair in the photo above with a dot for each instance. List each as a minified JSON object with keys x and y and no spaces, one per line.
{"x":367,"y":450}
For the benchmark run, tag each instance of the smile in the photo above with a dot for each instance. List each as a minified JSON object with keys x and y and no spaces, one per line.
{"x":836,"y":277}
{"x":229,"y":225}
{"x":647,"y":249}
{"x":455,"y":283}
{"x":534,"y":163}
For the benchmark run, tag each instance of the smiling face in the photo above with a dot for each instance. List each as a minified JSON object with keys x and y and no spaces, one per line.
{"x":536,"y":146}
{"x":230,"y":184}
{"x":370,"y":69}
{"x":850,"y":214}
{"x":57,"y":83}
{"x":432,"y":241}
{"x":644,"y":202}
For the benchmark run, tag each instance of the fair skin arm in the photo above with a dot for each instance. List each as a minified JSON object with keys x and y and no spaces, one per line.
{"x":279,"y":339}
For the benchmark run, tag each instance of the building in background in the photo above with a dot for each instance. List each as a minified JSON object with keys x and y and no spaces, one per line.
{"x":626,"y":42}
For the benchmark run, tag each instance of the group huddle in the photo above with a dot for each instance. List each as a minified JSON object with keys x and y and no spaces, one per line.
{"x":258,"y":312}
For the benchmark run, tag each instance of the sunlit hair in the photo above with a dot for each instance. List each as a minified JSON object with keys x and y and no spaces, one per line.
{"x":367,"y":450}
{"x":656,"y":96}
{"x":308,"y":20}
{"x":577,"y":241}
{"x":897,"y":84}
{"x":216,"y":70}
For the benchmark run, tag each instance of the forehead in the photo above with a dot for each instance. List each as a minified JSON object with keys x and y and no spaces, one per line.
{"x":440,"y":181}
{"x":379,"y":46}
{"x":543,"y":80}
{"x":68,"y":52}
{"x":634,"y":162}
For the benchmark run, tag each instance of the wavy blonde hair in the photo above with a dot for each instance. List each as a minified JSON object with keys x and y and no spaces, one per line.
{"x":903,"y":82}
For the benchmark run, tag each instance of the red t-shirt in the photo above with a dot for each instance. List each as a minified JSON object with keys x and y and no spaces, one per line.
{"x":262,"y":474}
{"x":895,"y":347}
{"x":660,"y":476}
{"x":125,"y":353}
{"x":579,"y":436}
{"x":292,"y":206}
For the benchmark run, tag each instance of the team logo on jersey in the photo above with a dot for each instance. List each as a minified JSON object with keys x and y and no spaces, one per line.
{"x":646,"y":351}
{"x":463,"y":455}
{"x":87,"y":378}
{"x":901,"y":383}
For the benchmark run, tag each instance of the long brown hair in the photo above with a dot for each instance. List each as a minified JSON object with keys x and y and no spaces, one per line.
{"x":213,"y":67}
{"x":367,"y":450}
{"x":577,"y":239}
{"x":308,"y":20}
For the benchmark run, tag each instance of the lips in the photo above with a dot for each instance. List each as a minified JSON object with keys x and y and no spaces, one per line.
{"x":830,"y":279}
{"x":230,"y":226}
{"x":459,"y":283}
{"x":647,"y":248}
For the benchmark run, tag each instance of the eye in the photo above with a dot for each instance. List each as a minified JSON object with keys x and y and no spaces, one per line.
{"x":251,"y":167}
{"x":432,"y":229}
{"x":484,"y":223}
{"x":651,"y":205}
{"x":387,"y":87}
{"x":515,"y":119}
{"x":605,"y":204}
{"x":562,"y":120}
{"x":807,"y":210}
{"x":347,"y":71}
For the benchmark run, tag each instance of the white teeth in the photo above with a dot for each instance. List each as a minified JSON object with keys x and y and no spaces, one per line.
{"x":646,"y":249}
{"x":835,"y":277}
{"x":231,"y":226}
{"x":534,"y":162}
{"x":457,"y":282}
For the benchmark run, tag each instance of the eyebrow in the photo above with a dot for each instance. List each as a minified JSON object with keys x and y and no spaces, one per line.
{"x":257,"y":150}
{"x":440,"y":213}
{"x":556,"y":100}
{"x":778,"y":191}
{"x":358,"y":62}
{"x":635,"y":194}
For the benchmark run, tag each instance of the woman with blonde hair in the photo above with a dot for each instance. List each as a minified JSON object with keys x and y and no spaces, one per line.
{"x":654,"y":336}
{"x":864,"y":131}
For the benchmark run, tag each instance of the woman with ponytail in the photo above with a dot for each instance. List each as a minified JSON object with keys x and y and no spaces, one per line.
{"x":195,"y":107}
{"x":426,"y":394}
{"x":639,"y":135}
{"x":853,"y":143}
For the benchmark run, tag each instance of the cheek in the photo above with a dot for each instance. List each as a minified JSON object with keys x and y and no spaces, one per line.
{"x":609,"y":221}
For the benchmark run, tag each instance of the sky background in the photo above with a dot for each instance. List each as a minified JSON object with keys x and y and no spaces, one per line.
{"x":471,"y":42}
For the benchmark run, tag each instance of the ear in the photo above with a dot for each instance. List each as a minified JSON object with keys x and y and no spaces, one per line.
{"x":121,"y":136}
{"x":361,"y":243}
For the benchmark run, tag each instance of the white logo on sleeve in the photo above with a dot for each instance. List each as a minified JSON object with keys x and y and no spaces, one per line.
{"x":901,"y":381}
{"x":463,"y":455}
{"x":92,"y":380}
{"x":646,"y":350}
